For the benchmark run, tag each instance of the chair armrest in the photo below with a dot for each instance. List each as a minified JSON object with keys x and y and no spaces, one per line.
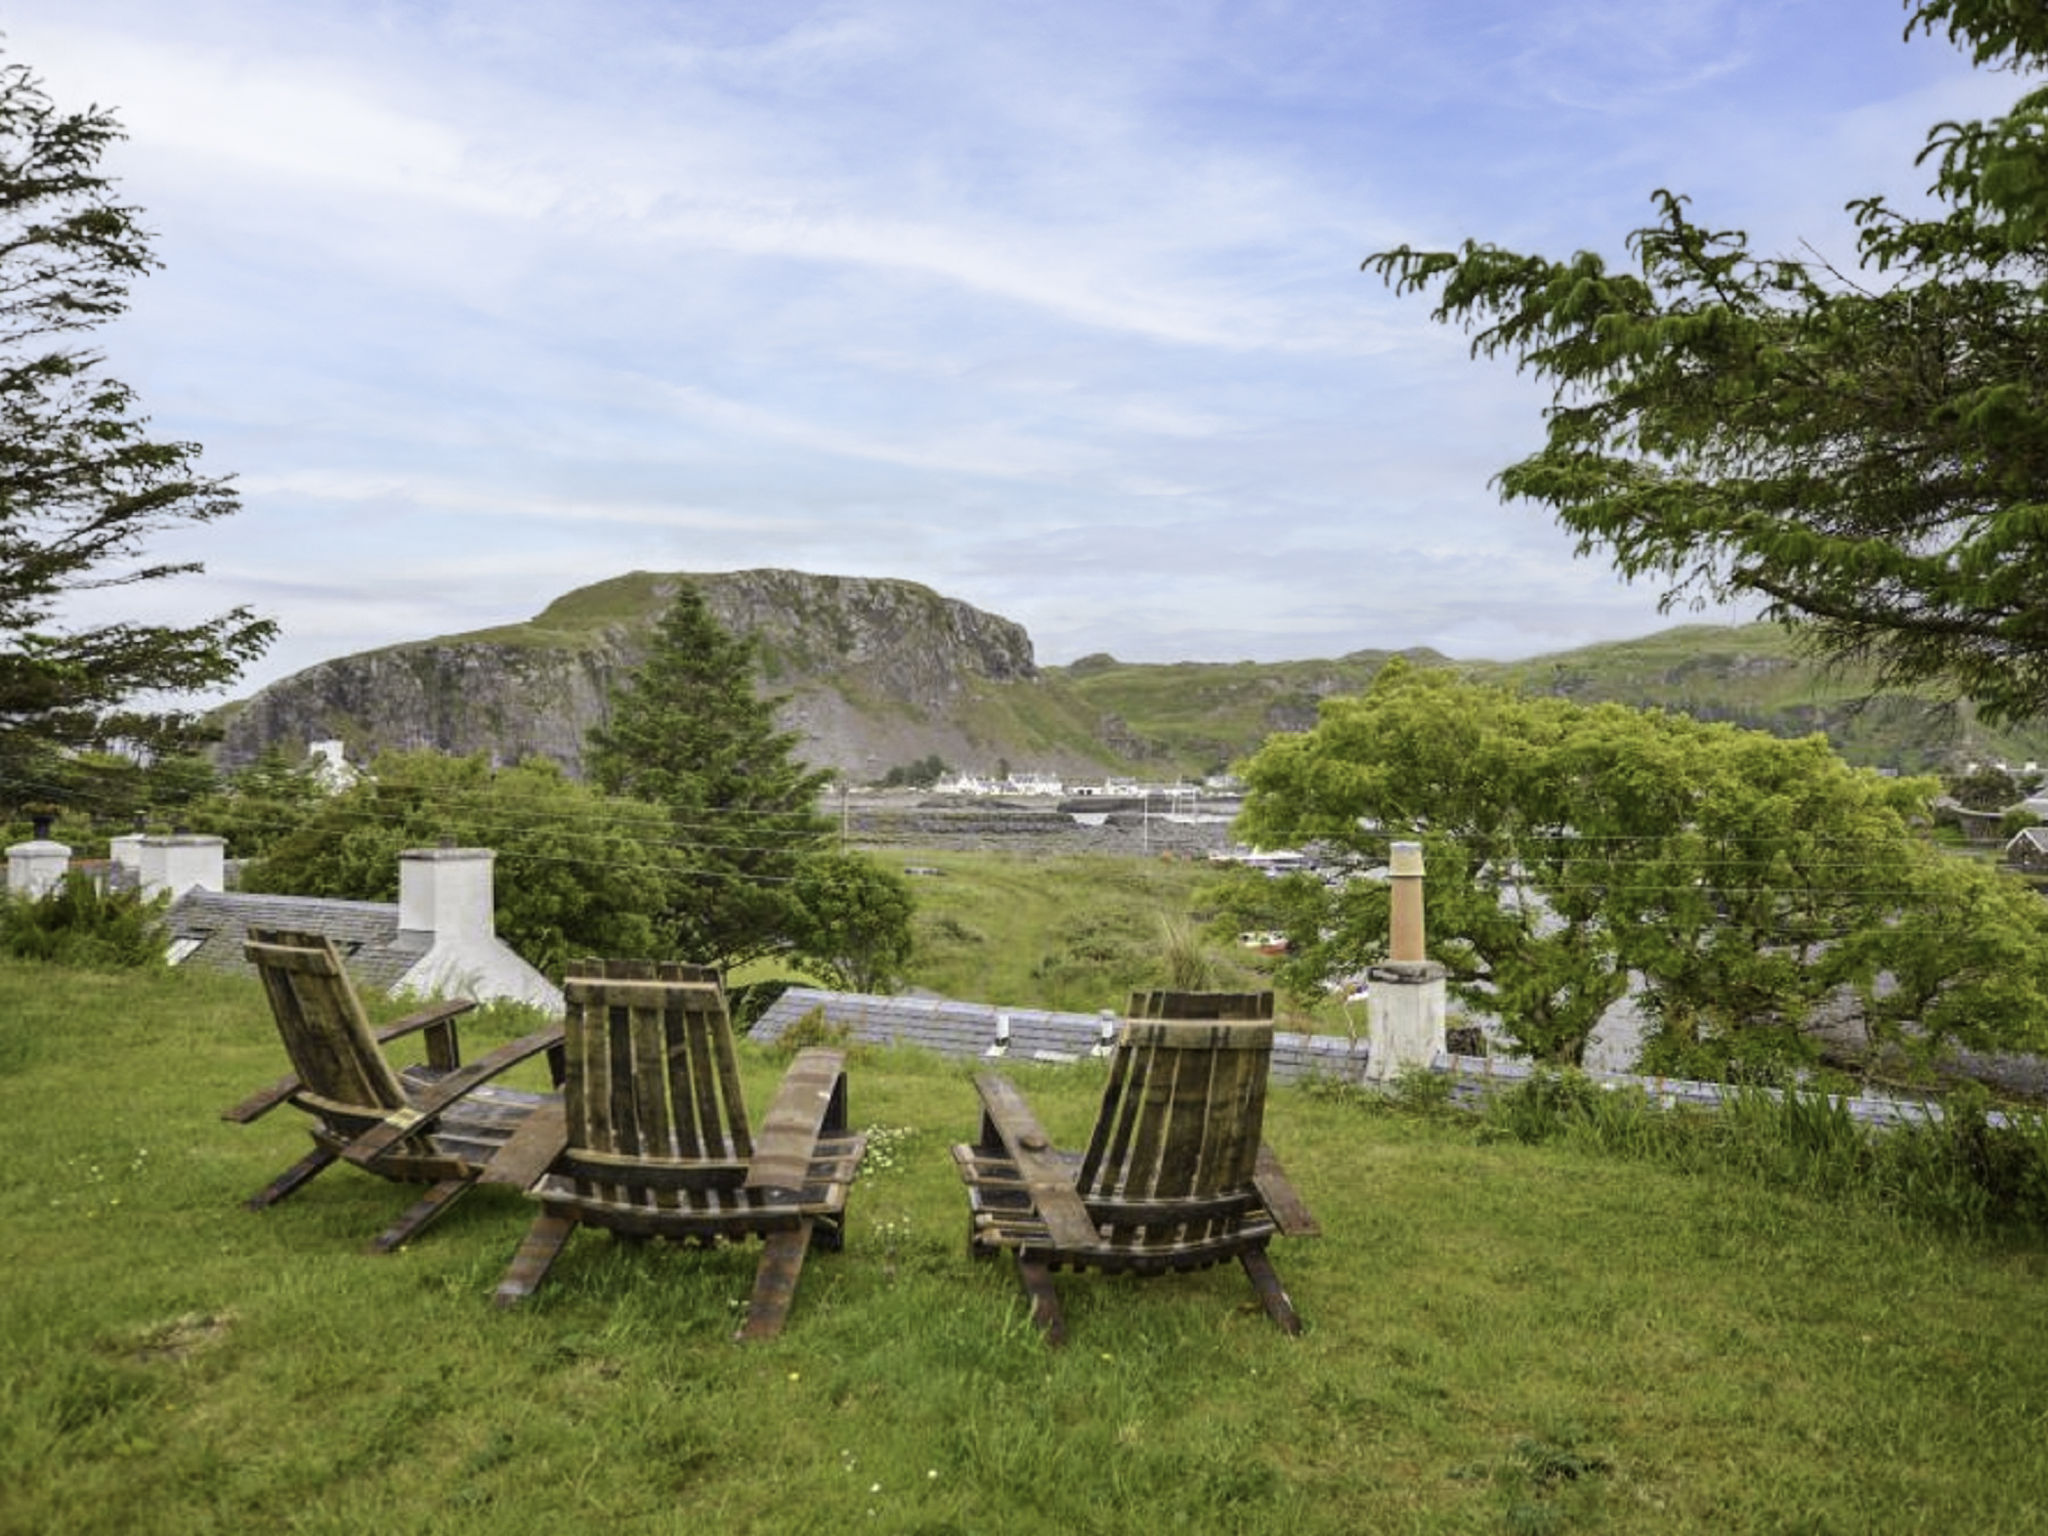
{"x":532,"y":1149}
{"x":262,"y":1102}
{"x":428,"y":1107}
{"x":442,"y":1049}
{"x":812,"y":1096}
{"x":1289,"y":1214}
{"x":1008,"y":1120}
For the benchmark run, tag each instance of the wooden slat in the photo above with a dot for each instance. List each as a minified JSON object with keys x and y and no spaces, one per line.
{"x":1044,"y":1174}
{"x":1288,"y":1211}
{"x":537,"y":1253}
{"x":739,"y":1137}
{"x":321,"y":1019}
{"x":1271,"y":1294}
{"x":782,"y":1262}
{"x":541,"y":1137}
{"x":698,"y":1087}
{"x":424,"y":1210}
{"x":624,"y":1180}
{"x":782,"y":1156}
{"x":425,"y":1107}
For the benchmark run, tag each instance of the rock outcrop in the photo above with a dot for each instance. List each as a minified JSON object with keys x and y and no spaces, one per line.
{"x":875,"y":673}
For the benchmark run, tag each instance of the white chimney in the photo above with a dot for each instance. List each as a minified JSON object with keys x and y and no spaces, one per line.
{"x":36,"y":868}
{"x":181,"y":862}
{"x":446,"y":892}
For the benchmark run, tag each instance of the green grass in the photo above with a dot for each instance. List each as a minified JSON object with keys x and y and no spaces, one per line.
{"x":1499,"y":1337}
{"x":1075,"y":932}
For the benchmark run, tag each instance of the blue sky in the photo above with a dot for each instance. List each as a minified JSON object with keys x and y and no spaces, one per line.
{"x":1053,"y":307}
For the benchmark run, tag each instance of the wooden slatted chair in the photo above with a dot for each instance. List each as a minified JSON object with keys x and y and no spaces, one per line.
{"x":438,"y":1122}
{"x":1175,"y":1176}
{"x":652,"y":1138}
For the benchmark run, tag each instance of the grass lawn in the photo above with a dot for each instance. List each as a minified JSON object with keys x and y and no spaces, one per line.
{"x":1499,"y":1337}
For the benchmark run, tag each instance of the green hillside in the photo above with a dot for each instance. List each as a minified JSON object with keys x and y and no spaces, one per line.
{"x":887,"y":673}
{"x":1199,"y":715}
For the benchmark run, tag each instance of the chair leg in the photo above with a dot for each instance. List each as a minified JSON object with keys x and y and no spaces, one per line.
{"x":1271,"y":1293}
{"x":782,"y":1260}
{"x":536,"y":1255}
{"x":424,"y":1210}
{"x":1045,"y":1301}
{"x":290,"y":1180}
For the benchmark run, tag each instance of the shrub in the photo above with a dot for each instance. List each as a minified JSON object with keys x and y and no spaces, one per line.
{"x":78,"y":924}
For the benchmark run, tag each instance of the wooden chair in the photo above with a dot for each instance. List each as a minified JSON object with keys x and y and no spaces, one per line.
{"x":1175,"y":1176}
{"x":438,"y":1122}
{"x":652,"y":1138}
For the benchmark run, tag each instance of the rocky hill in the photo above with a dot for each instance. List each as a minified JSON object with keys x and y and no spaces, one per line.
{"x":882,"y":673}
{"x":876,"y":673}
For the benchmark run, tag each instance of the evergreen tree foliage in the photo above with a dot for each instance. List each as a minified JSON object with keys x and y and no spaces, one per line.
{"x":1866,"y":453}
{"x":687,"y":731}
{"x":83,"y":487}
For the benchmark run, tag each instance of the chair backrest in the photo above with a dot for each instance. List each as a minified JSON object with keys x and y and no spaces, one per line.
{"x":321,"y":1020}
{"x":1185,"y":1106}
{"x":650,"y":1066}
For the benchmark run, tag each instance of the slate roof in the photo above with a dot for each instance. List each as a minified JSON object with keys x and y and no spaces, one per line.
{"x":968,"y":1030}
{"x":2029,"y":841}
{"x":366,"y":932}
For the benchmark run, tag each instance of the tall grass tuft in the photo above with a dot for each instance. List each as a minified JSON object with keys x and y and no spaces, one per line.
{"x":1960,"y":1170}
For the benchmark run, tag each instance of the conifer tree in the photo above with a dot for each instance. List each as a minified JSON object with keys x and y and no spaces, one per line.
{"x":688,"y":731}
{"x":83,"y":487}
{"x":1864,"y":452}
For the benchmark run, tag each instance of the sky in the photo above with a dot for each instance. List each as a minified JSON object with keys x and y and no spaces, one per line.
{"x":1055,"y":308}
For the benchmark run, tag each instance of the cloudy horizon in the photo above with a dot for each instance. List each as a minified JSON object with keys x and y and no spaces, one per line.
{"x":1056,"y":310}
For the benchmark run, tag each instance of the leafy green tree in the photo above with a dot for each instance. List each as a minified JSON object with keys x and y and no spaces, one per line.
{"x":577,"y":872}
{"x":853,"y":928}
{"x":1741,"y":878}
{"x":259,"y":806}
{"x":1985,"y":789}
{"x":1966,"y":960}
{"x":1868,"y":456}
{"x":922,"y":774}
{"x":83,"y":487}
{"x":687,"y":731}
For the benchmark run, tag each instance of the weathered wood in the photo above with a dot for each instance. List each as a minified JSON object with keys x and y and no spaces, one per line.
{"x":795,"y":1119}
{"x":1289,"y":1213}
{"x":654,"y":1138}
{"x":531,"y":1149}
{"x":424,"y":1210}
{"x":426,"y":1107}
{"x":1175,"y":1175}
{"x":1045,"y":1301}
{"x":782,"y":1261}
{"x":1272,"y":1295}
{"x":289,"y":1181}
{"x":438,"y":1123}
{"x":1008,"y":1121}
{"x":537,"y":1252}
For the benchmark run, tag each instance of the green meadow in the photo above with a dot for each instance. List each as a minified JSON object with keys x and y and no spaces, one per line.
{"x":1499,"y":1336}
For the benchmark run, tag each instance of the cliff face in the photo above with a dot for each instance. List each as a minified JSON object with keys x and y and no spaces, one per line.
{"x":877,"y":673}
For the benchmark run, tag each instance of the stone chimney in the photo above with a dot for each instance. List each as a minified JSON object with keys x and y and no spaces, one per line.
{"x":447,"y":892}
{"x":1405,"y":1006}
{"x":181,"y":862}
